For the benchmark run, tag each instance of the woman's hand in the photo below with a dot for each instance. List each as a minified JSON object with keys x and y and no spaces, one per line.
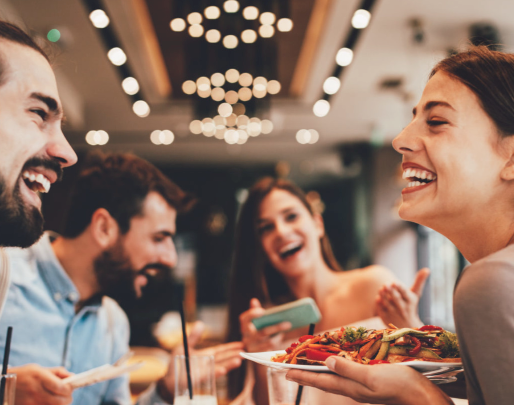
{"x":378,"y":384}
{"x":266,"y":339}
{"x":397,"y":305}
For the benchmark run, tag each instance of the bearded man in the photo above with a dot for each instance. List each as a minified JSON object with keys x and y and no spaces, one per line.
{"x":120,"y":227}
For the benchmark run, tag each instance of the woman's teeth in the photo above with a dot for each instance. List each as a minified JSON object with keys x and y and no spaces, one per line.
{"x":290,"y":249}
{"x":36,"y":181}
{"x":418,"y":174}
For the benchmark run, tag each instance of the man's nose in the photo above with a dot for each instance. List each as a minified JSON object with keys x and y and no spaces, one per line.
{"x":60,"y":149}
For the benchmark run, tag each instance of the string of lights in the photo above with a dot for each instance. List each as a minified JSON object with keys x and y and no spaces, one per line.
{"x":344,"y":57}
{"x":117,"y":56}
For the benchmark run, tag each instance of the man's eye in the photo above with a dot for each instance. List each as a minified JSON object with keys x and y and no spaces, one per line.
{"x":41,"y":113}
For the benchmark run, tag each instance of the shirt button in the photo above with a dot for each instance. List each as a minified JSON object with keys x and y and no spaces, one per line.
{"x":72,"y":296}
{"x":57,"y":296}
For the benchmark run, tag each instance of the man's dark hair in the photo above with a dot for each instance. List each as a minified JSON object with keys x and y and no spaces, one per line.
{"x":13,"y":33}
{"x":118,"y":182}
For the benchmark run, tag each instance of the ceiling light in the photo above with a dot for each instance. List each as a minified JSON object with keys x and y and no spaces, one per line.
{"x":230,"y":41}
{"x":218,"y":79}
{"x":285,"y":24}
{"x":196,"y":127}
{"x":254,"y":127}
{"x":260,"y":83}
{"x":90,"y":137}
{"x":178,"y":24}
{"x":245,"y":79}
{"x":204,"y":93}
{"x":242,"y":121}
{"x":194,"y":18}
{"x":303,"y":136}
{"x":101,"y":137}
{"x":267,"y":18}
{"x":130,"y":85}
{"x":321,"y":108}
{"x":141,"y":108}
{"x":266,"y":31}
{"x":259,"y":93}
{"x":266,"y":126}
{"x":209,"y":127}
{"x":249,"y":36}
{"x":231,"y":6}
{"x":231,"y":120}
{"x":217,"y":94}
{"x":231,"y":136}
{"x":154,"y":137}
{"x":203,"y":83}
{"x":225,"y":110}
{"x":239,"y":109}
{"x":231,"y":97}
{"x":232,"y":75}
{"x":251,"y":13}
{"x":331,"y":85}
{"x":189,"y":87}
{"x":245,"y":94}
{"x":196,"y":30}
{"x":242,"y":137}
{"x":273,"y":87}
{"x":117,"y":56}
{"x":99,"y":18}
{"x":361,"y":19}
{"x":344,"y":56}
{"x":212,"y":12}
{"x":219,"y":121}
{"x":213,"y":36}
{"x":314,"y":136}
{"x":220,"y":133}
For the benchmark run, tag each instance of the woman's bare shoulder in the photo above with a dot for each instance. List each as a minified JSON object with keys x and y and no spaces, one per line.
{"x":374,"y":274}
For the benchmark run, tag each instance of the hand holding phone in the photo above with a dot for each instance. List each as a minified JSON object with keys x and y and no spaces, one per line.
{"x":299,"y":313}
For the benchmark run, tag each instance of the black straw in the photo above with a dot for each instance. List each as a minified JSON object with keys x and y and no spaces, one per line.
{"x":7,"y":350}
{"x":300,"y":387}
{"x":186,"y":350}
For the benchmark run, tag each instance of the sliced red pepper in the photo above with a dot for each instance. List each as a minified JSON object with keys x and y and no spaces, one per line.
{"x":379,"y":362}
{"x":304,"y":338}
{"x":417,"y":346}
{"x":290,"y":349}
{"x":430,"y":327}
{"x":313,"y":354}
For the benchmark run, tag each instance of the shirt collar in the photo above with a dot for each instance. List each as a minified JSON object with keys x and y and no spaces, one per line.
{"x":56,"y":278}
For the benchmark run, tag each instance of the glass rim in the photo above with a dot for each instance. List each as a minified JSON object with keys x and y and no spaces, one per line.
{"x":8,"y":375}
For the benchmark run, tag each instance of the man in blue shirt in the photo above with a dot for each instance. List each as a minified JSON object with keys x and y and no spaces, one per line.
{"x":33,"y":153}
{"x":119,"y":228}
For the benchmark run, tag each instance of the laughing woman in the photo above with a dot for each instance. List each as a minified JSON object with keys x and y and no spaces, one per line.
{"x":283,"y":254}
{"x":461,"y":136}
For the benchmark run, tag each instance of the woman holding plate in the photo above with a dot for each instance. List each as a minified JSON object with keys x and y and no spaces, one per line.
{"x":458,"y":156}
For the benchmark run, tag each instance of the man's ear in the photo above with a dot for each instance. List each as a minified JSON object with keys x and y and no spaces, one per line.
{"x":507,"y":172}
{"x":104,"y":228}
{"x":320,"y":225}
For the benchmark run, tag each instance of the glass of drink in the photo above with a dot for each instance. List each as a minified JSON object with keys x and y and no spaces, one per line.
{"x":8,"y":385}
{"x":283,"y":392}
{"x":203,"y":382}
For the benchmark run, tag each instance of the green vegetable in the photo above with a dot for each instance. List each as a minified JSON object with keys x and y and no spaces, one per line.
{"x":402,"y":332}
{"x":403,"y":351}
{"x":351,"y":335}
{"x":449,"y":345}
{"x":384,"y":349}
{"x":373,"y":349}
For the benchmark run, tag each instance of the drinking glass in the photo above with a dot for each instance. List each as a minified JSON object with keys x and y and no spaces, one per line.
{"x":283,"y":392}
{"x":202,"y":380}
{"x":8,"y":382}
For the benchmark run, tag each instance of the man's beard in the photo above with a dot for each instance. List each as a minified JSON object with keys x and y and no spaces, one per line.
{"x":20,"y":225}
{"x":115,"y":275}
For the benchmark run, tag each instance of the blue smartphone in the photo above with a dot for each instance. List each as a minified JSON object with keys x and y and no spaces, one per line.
{"x":300,"y":313}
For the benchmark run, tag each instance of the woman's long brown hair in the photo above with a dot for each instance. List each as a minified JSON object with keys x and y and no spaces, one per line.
{"x":252,"y":274}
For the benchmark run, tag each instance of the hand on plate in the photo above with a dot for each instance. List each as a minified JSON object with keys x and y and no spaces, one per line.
{"x":400,"y":306}
{"x":36,"y":385}
{"x":266,"y":339}
{"x":377,"y":384}
{"x":226,"y":358}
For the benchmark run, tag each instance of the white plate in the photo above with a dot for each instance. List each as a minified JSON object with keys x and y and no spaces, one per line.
{"x":264,"y":358}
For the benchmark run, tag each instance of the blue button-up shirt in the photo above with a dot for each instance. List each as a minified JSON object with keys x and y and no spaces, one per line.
{"x":41,"y":308}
